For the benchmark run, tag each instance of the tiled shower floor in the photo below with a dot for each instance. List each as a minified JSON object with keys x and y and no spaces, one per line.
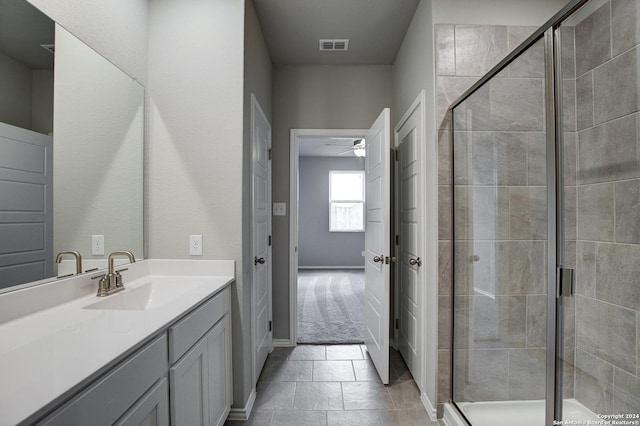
{"x":334,"y":385}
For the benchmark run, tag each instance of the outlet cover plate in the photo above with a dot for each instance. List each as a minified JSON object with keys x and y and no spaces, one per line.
{"x":97,"y":245}
{"x":195,"y":245}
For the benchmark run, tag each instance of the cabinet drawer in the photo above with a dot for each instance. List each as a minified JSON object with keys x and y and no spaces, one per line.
{"x":189,"y":330}
{"x":110,"y":397}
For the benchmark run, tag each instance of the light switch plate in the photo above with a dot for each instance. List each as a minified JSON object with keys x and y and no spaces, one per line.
{"x":279,"y":209}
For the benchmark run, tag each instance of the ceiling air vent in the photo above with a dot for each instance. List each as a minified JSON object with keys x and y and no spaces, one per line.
{"x":336,"y":45}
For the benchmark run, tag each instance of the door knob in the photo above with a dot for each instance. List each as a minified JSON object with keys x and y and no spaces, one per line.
{"x":378,"y":259}
{"x":415,"y":261}
{"x":257,"y":260}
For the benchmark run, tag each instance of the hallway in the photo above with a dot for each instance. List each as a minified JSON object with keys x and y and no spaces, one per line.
{"x":334,"y":385}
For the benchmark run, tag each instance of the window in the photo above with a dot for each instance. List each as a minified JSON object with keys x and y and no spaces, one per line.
{"x":346,"y":201}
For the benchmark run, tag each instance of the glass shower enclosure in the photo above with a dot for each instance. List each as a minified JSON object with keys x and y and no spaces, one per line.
{"x":546,"y":226}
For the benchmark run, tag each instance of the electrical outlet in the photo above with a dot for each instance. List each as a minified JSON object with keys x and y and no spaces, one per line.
{"x":195,"y":245}
{"x":97,"y":245}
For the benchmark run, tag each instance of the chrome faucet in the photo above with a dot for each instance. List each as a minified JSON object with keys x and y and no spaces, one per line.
{"x":75,"y":254}
{"x":111,"y":282}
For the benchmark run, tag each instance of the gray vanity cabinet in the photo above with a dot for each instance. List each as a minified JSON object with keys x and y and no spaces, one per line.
{"x":200,"y":381}
{"x":182,"y":378}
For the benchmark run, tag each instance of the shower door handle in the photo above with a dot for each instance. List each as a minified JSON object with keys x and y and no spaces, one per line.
{"x":565,"y":282}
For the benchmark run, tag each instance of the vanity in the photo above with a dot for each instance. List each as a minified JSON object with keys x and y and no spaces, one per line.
{"x":156,"y":353}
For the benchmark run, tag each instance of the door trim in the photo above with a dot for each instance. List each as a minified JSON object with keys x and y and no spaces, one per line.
{"x":294,"y":163}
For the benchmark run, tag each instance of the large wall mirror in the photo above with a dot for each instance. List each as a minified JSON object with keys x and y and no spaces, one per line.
{"x":71,"y":151}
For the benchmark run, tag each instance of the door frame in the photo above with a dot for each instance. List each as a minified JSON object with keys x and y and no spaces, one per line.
{"x":294,"y":165}
{"x":257,"y":109}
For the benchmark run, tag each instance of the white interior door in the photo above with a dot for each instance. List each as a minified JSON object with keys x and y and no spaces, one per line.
{"x":261,"y":235}
{"x":409,"y":142}
{"x":377,"y":243}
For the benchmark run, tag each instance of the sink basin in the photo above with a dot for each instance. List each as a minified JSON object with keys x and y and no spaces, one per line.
{"x":141,"y":298}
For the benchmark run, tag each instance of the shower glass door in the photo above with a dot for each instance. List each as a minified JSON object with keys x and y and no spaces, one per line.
{"x":500,"y":239}
{"x":600,"y":104}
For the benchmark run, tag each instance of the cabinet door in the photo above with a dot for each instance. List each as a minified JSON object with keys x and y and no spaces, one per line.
{"x":189,"y":382}
{"x":219,"y":348}
{"x":151,"y":410}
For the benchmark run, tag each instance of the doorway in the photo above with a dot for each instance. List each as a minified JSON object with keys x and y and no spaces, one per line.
{"x":329,"y":263}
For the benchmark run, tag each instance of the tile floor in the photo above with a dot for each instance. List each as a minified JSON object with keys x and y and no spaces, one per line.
{"x":334,"y":385}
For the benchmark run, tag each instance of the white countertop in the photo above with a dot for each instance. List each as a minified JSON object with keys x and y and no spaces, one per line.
{"x":44,"y":354}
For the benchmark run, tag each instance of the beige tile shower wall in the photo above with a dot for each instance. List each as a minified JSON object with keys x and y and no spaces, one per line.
{"x":507,"y":147}
{"x":607,"y":376}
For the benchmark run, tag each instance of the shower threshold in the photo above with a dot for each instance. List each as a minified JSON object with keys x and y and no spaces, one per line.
{"x":521,"y":413}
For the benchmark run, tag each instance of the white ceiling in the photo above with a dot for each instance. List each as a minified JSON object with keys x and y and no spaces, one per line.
{"x":23,"y":28}
{"x":375,"y":29}
{"x":327,"y":147}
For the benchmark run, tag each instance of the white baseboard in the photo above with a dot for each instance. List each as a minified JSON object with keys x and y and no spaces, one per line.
{"x":330,"y":267}
{"x":243,"y":413}
{"x":283,"y":343}
{"x":431,"y":410}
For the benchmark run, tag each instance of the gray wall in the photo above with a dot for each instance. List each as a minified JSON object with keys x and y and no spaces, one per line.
{"x":316,"y":245}
{"x":27,"y":96}
{"x":15,"y":86}
{"x":315,"y":97}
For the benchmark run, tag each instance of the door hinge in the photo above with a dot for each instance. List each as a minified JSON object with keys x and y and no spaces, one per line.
{"x":270,"y":325}
{"x":397,"y":323}
{"x":395,"y":154}
{"x":269,"y":153}
{"x":397,"y":239}
{"x":269,"y":240}
{"x":565,"y":282}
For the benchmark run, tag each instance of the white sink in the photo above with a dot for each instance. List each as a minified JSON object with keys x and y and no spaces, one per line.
{"x":141,"y":298}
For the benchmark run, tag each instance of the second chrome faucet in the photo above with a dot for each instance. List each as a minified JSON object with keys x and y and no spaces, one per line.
{"x":111,"y":282}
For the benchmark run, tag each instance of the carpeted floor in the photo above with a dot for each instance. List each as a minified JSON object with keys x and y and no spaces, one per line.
{"x":331,"y":306}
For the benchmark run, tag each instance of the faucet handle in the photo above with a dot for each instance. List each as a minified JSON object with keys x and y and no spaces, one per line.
{"x":102,"y":284}
{"x":119,"y":282}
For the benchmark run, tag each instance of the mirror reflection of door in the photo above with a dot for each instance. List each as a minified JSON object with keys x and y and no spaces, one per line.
{"x":27,"y":37}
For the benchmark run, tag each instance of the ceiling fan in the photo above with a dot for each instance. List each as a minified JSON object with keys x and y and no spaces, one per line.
{"x":358,"y":148}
